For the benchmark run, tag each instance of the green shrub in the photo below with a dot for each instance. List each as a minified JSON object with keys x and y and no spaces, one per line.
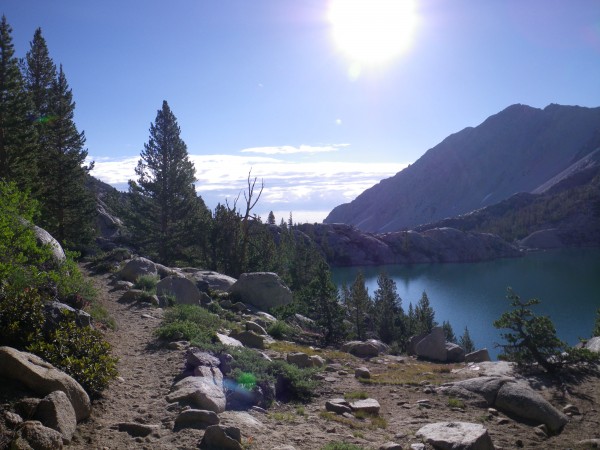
{"x":280,"y":330}
{"x":81,"y":352}
{"x":146,"y":283}
{"x":189,"y":322}
{"x":21,"y":318}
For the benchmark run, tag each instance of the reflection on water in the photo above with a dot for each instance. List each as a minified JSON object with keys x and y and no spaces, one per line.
{"x":567,"y":282}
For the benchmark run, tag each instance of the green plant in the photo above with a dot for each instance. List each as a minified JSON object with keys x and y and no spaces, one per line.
{"x":533,"y":339}
{"x":80,"y":352}
{"x":280,"y":330}
{"x":456,"y":403}
{"x":356,"y":395}
{"x":146,"y":283}
{"x":21,"y":318}
{"x":596,"y":330}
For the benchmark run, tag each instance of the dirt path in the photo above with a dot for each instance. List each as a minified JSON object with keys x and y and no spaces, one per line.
{"x":147,"y":371}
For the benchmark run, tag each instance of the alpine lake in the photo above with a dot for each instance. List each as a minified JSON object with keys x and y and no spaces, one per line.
{"x":473,"y":295}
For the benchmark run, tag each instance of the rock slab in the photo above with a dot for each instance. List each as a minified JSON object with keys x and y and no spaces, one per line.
{"x":456,"y":436}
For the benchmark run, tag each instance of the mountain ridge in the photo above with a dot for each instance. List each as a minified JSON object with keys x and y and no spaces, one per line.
{"x":516,"y":150}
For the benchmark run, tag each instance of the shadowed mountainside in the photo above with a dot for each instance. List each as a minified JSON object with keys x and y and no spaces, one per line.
{"x":520,"y":149}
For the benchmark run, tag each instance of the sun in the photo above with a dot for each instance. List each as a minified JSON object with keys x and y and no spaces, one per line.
{"x":372,"y":32}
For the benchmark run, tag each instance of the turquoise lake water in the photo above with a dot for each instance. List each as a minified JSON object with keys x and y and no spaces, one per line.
{"x":567,"y":282}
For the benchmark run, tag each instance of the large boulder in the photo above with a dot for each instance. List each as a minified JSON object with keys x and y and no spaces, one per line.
{"x":55,"y":411}
{"x":249,"y":339}
{"x":433,"y":346}
{"x":199,"y":392}
{"x":361,"y":349}
{"x":45,"y":238}
{"x":33,"y":435}
{"x":593,"y":344}
{"x":137,"y":267}
{"x":478,"y":356}
{"x":213,"y":280}
{"x":217,"y":437}
{"x":264,"y":290}
{"x":43,"y":378}
{"x":184,"y":290}
{"x":456,"y":436}
{"x":520,"y":400}
{"x":454,"y":353}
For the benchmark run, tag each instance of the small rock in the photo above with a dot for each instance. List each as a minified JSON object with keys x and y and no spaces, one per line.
{"x":258,"y":409}
{"x":362,"y":372}
{"x":390,"y":446}
{"x":493,"y":411}
{"x":178,"y":345}
{"x":12,"y":419}
{"x":369,"y":406}
{"x":135,"y":429}
{"x":196,"y":418}
{"x":541,"y":431}
{"x":456,"y":435}
{"x":217,"y":437}
{"x":588,"y":444}
{"x":37,"y":436}
{"x":571,"y":409}
{"x":417,"y":446}
{"x":338,"y":406}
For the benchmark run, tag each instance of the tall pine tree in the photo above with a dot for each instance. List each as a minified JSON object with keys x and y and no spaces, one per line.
{"x":16,"y":131}
{"x":164,"y":198}
{"x":359,"y":306}
{"x":389,"y":315}
{"x":39,"y":72}
{"x":68,"y":207}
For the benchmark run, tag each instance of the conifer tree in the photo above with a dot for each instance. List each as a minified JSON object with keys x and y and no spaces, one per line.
{"x":359,"y":306}
{"x":466,"y":342}
{"x":164,"y":198}
{"x":16,"y":130}
{"x":40,"y":74}
{"x":448,"y":332}
{"x":425,"y":315}
{"x":387,"y":304}
{"x":68,"y":207}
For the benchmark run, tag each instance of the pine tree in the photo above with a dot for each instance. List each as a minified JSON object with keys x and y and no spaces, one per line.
{"x":68,"y":207}
{"x":271,"y":218}
{"x":164,"y":198}
{"x":16,"y":131}
{"x":466,"y":342}
{"x":359,"y":306}
{"x":448,"y":332}
{"x":322,"y":298}
{"x":389,"y":316}
{"x":424,"y":314}
{"x":40,"y":75}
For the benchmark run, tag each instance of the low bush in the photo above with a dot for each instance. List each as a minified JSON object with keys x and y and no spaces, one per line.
{"x":281,"y":330}
{"x":146,"y":283}
{"x":190,"y":322}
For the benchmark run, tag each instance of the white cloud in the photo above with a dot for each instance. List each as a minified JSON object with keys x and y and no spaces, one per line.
{"x":290,"y":149}
{"x":307,"y":189}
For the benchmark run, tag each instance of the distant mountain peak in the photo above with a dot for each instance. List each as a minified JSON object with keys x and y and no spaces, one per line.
{"x":516,"y":150}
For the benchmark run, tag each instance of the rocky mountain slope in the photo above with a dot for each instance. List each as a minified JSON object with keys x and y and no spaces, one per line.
{"x":520,"y":149}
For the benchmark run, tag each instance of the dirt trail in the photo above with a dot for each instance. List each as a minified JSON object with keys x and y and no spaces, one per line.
{"x":147,"y":371}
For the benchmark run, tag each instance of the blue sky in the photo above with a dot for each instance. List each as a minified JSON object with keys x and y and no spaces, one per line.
{"x":264,"y":84}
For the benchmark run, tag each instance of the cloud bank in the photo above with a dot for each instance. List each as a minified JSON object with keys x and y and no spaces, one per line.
{"x":309,"y":190}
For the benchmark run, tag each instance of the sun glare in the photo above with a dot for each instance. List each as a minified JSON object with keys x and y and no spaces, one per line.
{"x":373,"y":31}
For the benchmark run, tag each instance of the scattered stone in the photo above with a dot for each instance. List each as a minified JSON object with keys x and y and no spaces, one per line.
{"x":368,"y":405}
{"x":217,"y":437}
{"x":200,"y":392}
{"x":132,"y":295}
{"x":362,"y":372}
{"x":195,"y":357}
{"x":253,"y":326}
{"x":249,"y":339}
{"x":390,"y":446}
{"x":228,"y":340}
{"x":572,"y":410}
{"x":55,"y":411}
{"x":43,"y":378}
{"x":417,"y":446}
{"x":361,"y":349}
{"x":588,"y":444}
{"x":493,"y":411}
{"x":478,"y":356}
{"x":284,"y":447}
{"x":258,"y":409}
{"x":338,"y":406}
{"x":456,"y":436}
{"x":317,"y":361}
{"x":33,"y":435}
{"x":196,"y":418}
{"x":178,"y":345}
{"x":135,"y":429}
{"x":299,"y":359}
{"x":122,"y":285}
{"x":136,"y":268}
{"x":541,"y":431}
{"x":264,"y":290}
{"x":12,"y":419}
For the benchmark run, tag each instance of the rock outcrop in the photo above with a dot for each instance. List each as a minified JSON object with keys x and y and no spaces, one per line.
{"x":43,"y":378}
{"x":264,"y":290}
